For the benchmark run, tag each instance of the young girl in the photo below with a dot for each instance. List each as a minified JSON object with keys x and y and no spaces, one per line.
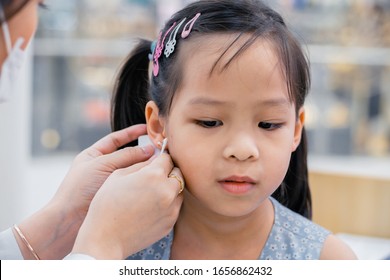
{"x":227,"y":89}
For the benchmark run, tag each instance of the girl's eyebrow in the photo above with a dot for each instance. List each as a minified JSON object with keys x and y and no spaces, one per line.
{"x":205,"y":101}
{"x":273,"y":102}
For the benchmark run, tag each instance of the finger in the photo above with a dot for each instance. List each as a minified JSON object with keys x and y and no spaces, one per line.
{"x":176,"y":205}
{"x":117,"y":139}
{"x":176,"y":175}
{"x":178,"y":202}
{"x":128,"y":156}
{"x":165,"y":164}
{"x":163,"y":161}
{"x":135,"y":167}
{"x":176,"y":171}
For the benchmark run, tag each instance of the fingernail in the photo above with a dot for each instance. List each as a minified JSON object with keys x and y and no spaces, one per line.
{"x":148,"y":150}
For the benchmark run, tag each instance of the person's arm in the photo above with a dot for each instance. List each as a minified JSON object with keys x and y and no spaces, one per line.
{"x":52,"y":230}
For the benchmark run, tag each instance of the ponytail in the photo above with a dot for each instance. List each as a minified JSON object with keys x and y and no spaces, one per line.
{"x":131,"y":90}
{"x":294,"y":192}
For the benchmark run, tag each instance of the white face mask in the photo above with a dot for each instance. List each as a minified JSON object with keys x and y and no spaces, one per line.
{"x":10,"y":70}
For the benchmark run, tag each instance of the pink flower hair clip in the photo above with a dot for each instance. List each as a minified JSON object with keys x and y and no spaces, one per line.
{"x":171,"y":44}
{"x":159,"y":49}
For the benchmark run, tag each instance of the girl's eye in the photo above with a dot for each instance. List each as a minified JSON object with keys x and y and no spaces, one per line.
{"x":209,"y":124}
{"x":269,"y":126}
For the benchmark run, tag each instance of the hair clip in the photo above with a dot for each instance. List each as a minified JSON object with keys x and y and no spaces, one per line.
{"x":187,"y":29}
{"x":156,"y":56}
{"x":170,"y":46}
{"x":152,"y":48}
{"x":158,"y":50}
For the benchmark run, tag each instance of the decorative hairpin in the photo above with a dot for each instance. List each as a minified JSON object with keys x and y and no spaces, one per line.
{"x":158,"y":50}
{"x":158,"y":47}
{"x":187,"y":29}
{"x":170,"y":46}
{"x":152,"y":48}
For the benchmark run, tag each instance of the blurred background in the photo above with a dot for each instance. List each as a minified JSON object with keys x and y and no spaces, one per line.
{"x":62,"y":105}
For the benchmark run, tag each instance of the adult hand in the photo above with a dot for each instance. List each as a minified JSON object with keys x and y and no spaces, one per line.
{"x":52,"y":230}
{"x":135,"y":207}
{"x":92,"y":167}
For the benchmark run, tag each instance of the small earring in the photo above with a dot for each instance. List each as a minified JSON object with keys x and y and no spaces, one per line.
{"x":161,"y":143}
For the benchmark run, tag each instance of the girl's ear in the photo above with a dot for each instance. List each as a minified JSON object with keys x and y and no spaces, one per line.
{"x":155,"y":124}
{"x":298,"y":128}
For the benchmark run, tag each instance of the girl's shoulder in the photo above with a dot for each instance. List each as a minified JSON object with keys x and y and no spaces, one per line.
{"x":296,"y":237}
{"x":293,"y":236}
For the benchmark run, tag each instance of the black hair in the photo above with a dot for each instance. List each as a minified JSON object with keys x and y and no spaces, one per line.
{"x":133,"y":88}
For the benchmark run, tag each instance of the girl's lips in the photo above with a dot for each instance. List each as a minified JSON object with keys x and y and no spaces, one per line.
{"x":237,"y":184}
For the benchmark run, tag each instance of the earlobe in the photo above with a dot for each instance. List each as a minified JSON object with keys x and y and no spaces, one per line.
{"x":154,"y":123}
{"x":298,"y":128}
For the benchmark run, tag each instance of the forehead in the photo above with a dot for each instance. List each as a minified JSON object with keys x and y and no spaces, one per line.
{"x":207,"y":59}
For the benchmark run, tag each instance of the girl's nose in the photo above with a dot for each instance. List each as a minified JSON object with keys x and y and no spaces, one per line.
{"x":241,"y":147}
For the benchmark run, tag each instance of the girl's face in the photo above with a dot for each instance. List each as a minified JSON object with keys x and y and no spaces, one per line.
{"x":231,"y":132}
